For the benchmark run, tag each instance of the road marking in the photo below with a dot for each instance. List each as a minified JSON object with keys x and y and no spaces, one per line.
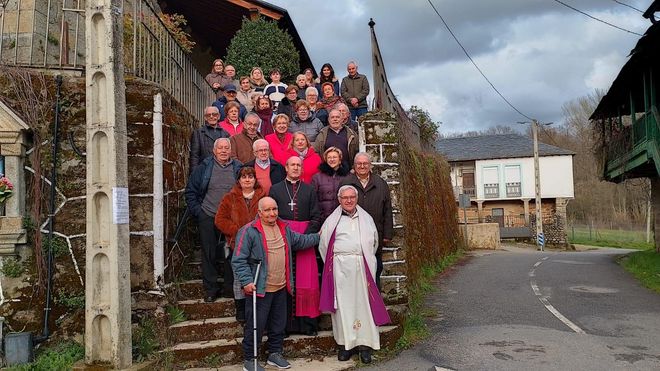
{"x":537,"y":264}
{"x":549,"y":307}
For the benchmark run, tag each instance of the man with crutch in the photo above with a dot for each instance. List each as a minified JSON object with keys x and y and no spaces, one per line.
{"x":266,"y":292}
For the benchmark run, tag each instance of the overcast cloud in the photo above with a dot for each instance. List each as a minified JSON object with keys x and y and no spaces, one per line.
{"x":538,"y":53}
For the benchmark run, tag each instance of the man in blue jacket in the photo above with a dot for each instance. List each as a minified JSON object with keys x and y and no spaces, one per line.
{"x":270,"y":241}
{"x":209,"y":182}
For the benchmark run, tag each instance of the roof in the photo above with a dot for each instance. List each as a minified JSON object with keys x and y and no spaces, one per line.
{"x":487,"y":147}
{"x":214,"y":23}
{"x":627,"y":85}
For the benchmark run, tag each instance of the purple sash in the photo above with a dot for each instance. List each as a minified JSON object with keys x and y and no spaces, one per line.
{"x":327,"y":303}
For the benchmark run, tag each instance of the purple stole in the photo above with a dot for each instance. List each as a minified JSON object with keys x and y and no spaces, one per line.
{"x":327,"y":304}
{"x":307,"y":277}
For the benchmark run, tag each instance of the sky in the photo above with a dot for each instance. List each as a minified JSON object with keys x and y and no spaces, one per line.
{"x":538,"y":53}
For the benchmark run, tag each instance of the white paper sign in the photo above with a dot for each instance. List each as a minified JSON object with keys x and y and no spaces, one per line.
{"x":120,"y":205}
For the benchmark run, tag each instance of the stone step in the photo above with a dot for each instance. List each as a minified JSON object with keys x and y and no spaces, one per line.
{"x":313,"y":363}
{"x":197,"y":309}
{"x":220,"y":328}
{"x":225,"y":351}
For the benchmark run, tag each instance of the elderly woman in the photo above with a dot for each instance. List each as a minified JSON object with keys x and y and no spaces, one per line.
{"x":330,"y":99}
{"x":326,"y":182}
{"x":257,"y":80}
{"x":301,"y":147}
{"x":315,"y":107}
{"x":264,"y":110}
{"x":237,"y":208}
{"x":232,"y":122}
{"x":280,"y":140}
{"x":305,"y":122}
{"x":288,"y":104}
{"x":301,"y":85}
{"x":217,"y":78}
{"x":348,"y":288}
{"x":244,"y":93}
{"x":327,"y":75}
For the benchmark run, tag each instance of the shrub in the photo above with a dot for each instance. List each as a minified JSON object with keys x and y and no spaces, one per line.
{"x":12,"y":267}
{"x":61,"y":357}
{"x":261,"y":43}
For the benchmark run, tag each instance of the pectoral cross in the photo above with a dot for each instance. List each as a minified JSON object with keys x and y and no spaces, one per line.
{"x":292,"y":204}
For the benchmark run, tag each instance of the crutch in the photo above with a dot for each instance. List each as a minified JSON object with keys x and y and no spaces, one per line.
{"x":254,"y":312}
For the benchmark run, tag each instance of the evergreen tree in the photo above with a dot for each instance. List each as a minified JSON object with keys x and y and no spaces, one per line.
{"x":260,"y":43}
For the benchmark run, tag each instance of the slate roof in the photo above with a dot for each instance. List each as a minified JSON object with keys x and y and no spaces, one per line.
{"x":494,"y":146}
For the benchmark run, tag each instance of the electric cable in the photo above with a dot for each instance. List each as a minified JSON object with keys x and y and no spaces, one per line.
{"x":596,"y":19}
{"x":475,"y":64}
{"x":629,"y":6}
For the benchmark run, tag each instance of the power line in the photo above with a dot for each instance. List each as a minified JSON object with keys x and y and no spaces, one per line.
{"x":475,"y":64}
{"x":597,"y":19}
{"x":629,"y":6}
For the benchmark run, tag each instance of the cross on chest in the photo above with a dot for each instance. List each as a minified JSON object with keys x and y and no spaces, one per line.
{"x":292,"y":204}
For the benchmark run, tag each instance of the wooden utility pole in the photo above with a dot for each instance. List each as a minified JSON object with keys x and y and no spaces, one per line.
{"x":540,"y":239}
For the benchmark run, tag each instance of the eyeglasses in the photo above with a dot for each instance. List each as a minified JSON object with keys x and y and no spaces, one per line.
{"x":362,"y":164}
{"x":231,"y":92}
{"x":262,"y":150}
{"x":348,"y":197}
{"x":212,"y":114}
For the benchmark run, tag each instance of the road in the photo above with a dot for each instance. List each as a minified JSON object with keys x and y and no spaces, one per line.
{"x":521,"y":309}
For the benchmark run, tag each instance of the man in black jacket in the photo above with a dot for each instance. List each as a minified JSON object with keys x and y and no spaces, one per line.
{"x":203,"y":138}
{"x":373,"y":196}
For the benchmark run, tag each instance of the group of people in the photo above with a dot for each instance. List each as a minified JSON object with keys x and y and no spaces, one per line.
{"x":291,"y":194}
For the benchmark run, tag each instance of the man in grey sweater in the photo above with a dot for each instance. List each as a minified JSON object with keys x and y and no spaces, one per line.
{"x":354,"y":90}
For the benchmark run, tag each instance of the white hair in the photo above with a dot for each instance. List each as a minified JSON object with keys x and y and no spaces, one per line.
{"x":258,"y":142}
{"x":260,"y":204}
{"x":217,"y":142}
{"x":345,"y":188}
{"x":365,"y":154}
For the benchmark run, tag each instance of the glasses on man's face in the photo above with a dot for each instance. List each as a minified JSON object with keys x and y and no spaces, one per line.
{"x":262,"y":150}
{"x":348,"y":197}
{"x":231,"y":92}
{"x":362,"y":164}
{"x":213,"y":114}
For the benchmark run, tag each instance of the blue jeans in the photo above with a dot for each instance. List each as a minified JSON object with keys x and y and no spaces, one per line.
{"x":357,"y":112}
{"x":271,"y":315}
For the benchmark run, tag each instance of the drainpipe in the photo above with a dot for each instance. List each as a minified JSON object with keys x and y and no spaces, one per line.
{"x":51,"y":211}
{"x":157,"y":218}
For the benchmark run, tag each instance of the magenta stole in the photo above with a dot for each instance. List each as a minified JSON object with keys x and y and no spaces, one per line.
{"x":327,"y":304}
{"x":307,"y":277}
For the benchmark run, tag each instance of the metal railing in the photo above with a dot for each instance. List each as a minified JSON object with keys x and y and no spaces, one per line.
{"x":56,"y":40}
{"x":513,"y":189}
{"x":491,"y":190}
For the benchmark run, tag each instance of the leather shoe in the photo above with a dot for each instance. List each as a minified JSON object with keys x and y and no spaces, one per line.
{"x":343,"y":354}
{"x":311,"y":333}
{"x":365,"y":355}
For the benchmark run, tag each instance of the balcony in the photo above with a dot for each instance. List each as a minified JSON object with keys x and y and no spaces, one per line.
{"x":491,"y":190}
{"x":470,"y":191}
{"x":513,"y":189}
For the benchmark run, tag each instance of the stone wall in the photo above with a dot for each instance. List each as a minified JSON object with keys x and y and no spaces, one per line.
{"x":24,"y":305}
{"x":481,"y":235}
{"x":422,"y":199}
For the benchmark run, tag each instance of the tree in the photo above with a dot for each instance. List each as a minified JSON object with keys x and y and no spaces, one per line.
{"x":260,"y":43}
{"x":428,"y":129}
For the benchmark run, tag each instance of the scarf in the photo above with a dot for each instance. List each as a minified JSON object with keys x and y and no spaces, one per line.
{"x":262,"y":164}
{"x":302,"y":154}
{"x":328,"y":103}
{"x":266,"y":116}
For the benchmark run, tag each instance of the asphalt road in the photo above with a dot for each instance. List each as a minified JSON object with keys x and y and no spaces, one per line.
{"x":495,"y":312}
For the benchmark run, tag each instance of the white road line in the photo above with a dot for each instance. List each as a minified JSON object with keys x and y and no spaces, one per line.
{"x":537,"y":264}
{"x":546,"y":258}
{"x":549,"y":307}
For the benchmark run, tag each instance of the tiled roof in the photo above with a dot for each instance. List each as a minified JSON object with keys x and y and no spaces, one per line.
{"x":494,"y":146}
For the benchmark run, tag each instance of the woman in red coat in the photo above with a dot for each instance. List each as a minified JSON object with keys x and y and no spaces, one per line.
{"x":237,"y":208}
{"x":301,"y":147}
{"x":280,"y":140}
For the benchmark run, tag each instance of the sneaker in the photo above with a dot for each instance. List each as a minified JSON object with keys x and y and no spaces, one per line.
{"x":249,"y":366}
{"x":277,"y":360}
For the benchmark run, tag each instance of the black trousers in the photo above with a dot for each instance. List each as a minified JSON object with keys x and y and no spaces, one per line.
{"x":379,"y":268}
{"x":213,"y":250}
{"x":271,"y":316}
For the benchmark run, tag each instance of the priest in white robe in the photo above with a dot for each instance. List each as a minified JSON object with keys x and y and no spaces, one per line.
{"x":348,"y":245}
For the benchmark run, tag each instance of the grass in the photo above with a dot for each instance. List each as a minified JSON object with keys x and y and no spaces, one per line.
{"x":145,"y":343}
{"x":60,"y":357}
{"x":12,"y":267}
{"x":414,"y":326}
{"x":175,"y":314}
{"x":609,"y":238}
{"x":645,"y":266}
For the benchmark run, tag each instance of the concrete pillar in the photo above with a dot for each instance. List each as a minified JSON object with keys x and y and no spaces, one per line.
{"x":480,"y":209}
{"x":560,"y":211}
{"x":107,"y":288}
{"x":526,"y":207}
{"x":655,"y":205}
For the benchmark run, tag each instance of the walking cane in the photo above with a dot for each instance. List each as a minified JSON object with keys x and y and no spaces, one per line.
{"x":254,"y":312}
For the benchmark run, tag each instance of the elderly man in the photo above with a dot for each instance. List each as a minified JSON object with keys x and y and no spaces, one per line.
{"x":202,"y":139}
{"x":241,"y":143}
{"x":268,"y":171}
{"x":354,"y":90}
{"x":298,"y":206}
{"x":375,"y":198}
{"x":230,"y":72}
{"x":337,"y":135}
{"x":229,"y":95}
{"x":346,"y":119}
{"x":208,"y":183}
{"x":267,"y":240}
{"x":348,"y":245}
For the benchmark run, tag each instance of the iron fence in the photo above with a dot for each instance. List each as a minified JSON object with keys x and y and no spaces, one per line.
{"x":54,"y":38}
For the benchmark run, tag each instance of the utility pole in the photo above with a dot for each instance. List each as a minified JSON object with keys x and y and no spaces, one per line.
{"x":540,"y":239}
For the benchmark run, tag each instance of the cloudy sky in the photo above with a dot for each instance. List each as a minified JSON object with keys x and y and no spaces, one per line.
{"x":538,"y":53}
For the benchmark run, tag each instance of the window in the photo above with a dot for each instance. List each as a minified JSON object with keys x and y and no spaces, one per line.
{"x":491,"y":190}
{"x":512,"y":179}
{"x":491,"y":182}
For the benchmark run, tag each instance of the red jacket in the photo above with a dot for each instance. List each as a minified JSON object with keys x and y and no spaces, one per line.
{"x":279,"y":151}
{"x":233,"y":212}
{"x":230,"y":128}
{"x":310,"y":164}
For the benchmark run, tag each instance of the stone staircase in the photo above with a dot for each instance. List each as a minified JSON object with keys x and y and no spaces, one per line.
{"x":210,"y":331}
